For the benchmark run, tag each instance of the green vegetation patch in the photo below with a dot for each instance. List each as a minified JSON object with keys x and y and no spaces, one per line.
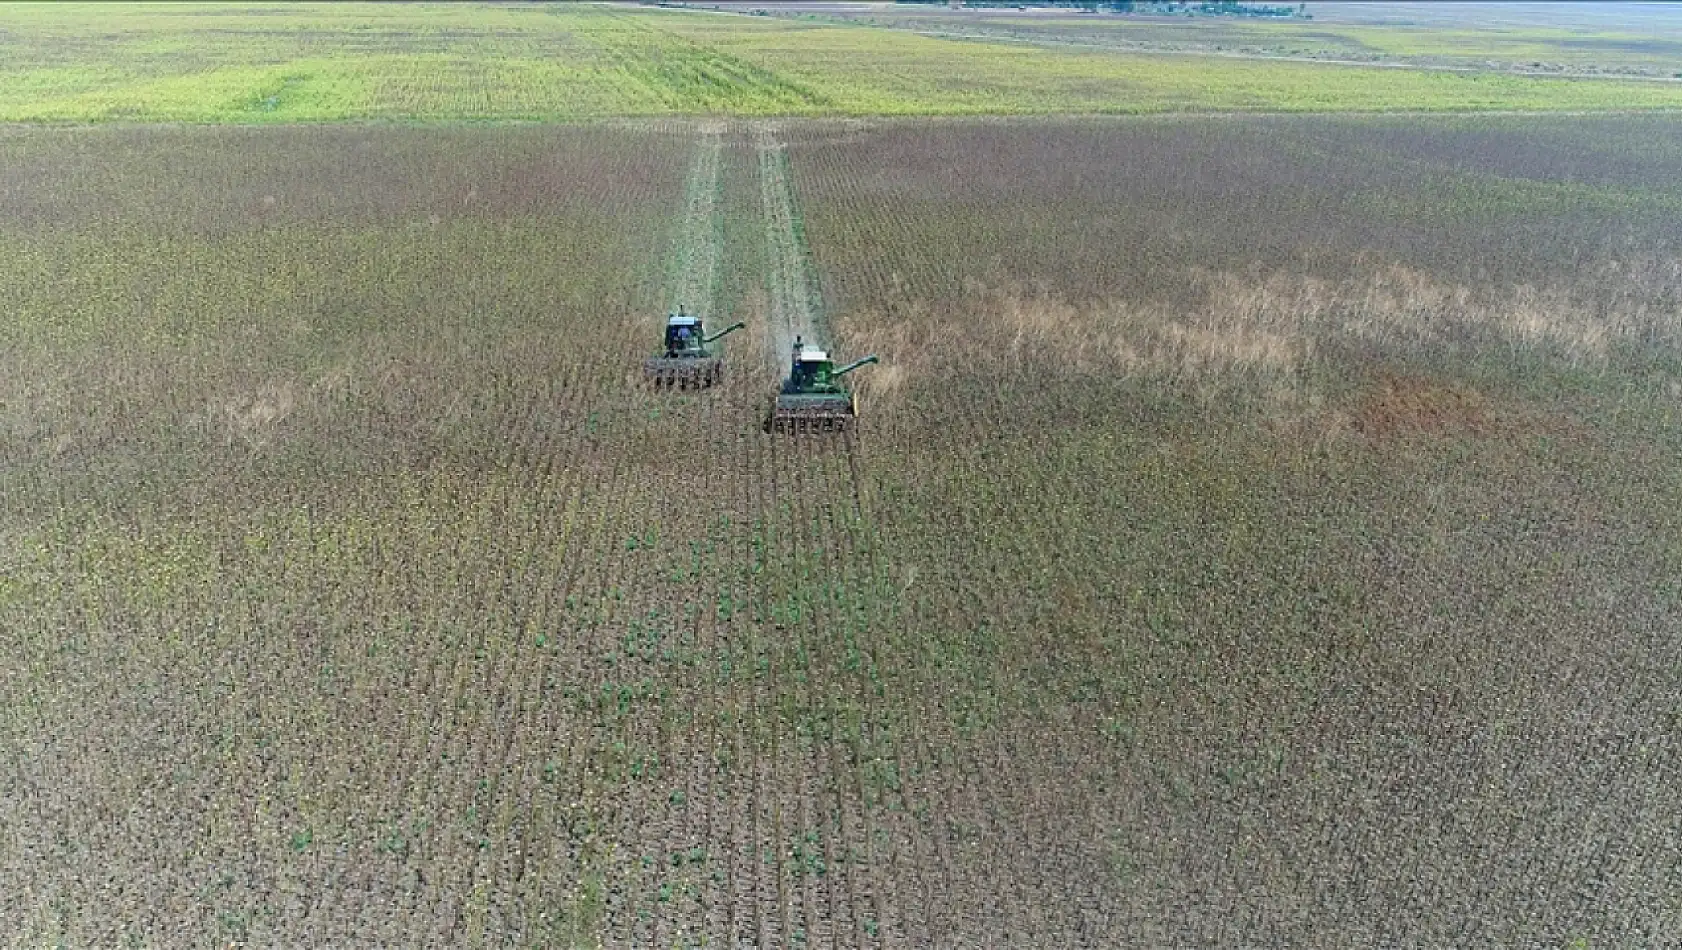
{"x":671,"y":73}
{"x":73,"y":63}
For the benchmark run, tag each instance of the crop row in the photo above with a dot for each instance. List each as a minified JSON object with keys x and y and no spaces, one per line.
{"x":416,"y":619}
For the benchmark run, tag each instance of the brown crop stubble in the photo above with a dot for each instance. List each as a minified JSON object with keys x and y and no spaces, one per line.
{"x":854,"y":576}
{"x":732,"y":688}
{"x":412,"y":584}
{"x":1127,"y":668}
{"x":924,"y":765}
{"x":802,"y":859}
{"x":833,"y":709}
{"x":1219,"y":572}
{"x":532,"y":630}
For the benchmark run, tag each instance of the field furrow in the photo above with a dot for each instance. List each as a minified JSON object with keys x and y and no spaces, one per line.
{"x":1255,"y":533}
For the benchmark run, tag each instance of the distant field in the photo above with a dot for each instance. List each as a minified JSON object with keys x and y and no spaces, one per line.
{"x":211,"y":64}
{"x":1270,"y":538}
{"x":1628,"y":39}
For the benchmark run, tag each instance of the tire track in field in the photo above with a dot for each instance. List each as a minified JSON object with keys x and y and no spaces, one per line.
{"x":830,"y":889}
{"x":477,"y":739}
{"x":652,"y":899}
{"x":695,"y":247}
{"x":794,"y":309}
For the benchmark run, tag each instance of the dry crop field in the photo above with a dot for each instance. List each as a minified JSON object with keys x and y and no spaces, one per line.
{"x":1260,"y":532}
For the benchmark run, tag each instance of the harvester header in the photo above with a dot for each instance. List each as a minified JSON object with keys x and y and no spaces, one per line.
{"x":812,"y":399}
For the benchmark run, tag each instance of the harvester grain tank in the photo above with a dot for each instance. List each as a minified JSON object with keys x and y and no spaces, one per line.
{"x":686,"y":361}
{"x":812,"y":399}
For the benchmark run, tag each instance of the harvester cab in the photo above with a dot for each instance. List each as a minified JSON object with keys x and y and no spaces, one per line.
{"x":683,"y":335}
{"x":812,"y":399}
{"x":686,"y":361}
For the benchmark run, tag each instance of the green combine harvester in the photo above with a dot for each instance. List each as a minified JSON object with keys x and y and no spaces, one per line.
{"x":811,"y":399}
{"x":686,"y":362}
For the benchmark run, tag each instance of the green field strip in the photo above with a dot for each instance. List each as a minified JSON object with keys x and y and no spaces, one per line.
{"x":1226,"y":519}
{"x":446,"y":63}
{"x":796,"y":304}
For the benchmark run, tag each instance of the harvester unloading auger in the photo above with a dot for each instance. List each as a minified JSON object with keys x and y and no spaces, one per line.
{"x":686,"y":362}
{"x":811,"y":399}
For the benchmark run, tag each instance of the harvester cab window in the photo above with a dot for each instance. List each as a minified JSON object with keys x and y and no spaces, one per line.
{"x":678,"y":336}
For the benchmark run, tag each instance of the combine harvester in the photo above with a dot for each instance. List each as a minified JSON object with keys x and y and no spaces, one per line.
{"x":810,"y":399}
{"x":686,"y":362}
